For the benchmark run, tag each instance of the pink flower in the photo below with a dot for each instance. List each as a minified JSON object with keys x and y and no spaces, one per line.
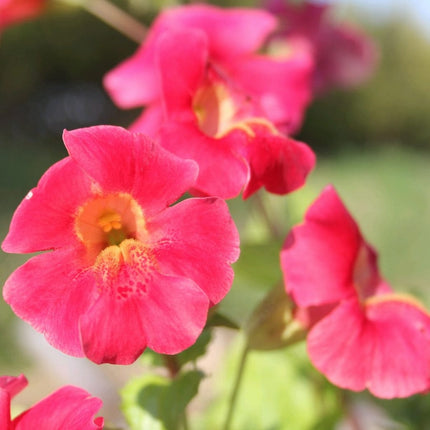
{"x":127,"y":270}
{"x":207,"y":119}
{"x":68,"y":408}
{"x":362,"y":335}
{"x":344,"y":55}
{"x":13,"y":11}
{"x":234,"y":36}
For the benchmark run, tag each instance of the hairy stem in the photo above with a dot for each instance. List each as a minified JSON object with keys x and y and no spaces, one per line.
{"x":237,"y":382}
{"x":116,"y":18}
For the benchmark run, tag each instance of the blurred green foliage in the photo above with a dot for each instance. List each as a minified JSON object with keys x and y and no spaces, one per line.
{"x":394,"y":105}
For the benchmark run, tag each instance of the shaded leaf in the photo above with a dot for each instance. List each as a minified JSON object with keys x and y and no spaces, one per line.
{"x":157,"y":403}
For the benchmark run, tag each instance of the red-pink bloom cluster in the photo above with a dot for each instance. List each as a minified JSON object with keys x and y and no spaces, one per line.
{"x":13,"y":11}
{"x":68,"y":408}
{"x":362,"y":335}
{"x":213,"y":98}
{"x":125,"y":269}
{"x":344,"y":55}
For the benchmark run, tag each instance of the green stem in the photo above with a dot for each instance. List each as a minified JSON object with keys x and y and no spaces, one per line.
{"x":270,"y":222}
{"x":237,"y":382}
{"x":171,"y":364}
{"x":116,"y":18}
{"x":185,"y":421}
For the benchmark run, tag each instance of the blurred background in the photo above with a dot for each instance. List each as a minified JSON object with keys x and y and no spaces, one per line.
{"x":372,"y":142}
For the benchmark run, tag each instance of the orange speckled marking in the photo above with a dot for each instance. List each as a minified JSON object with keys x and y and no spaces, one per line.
{"x":125,"y":270}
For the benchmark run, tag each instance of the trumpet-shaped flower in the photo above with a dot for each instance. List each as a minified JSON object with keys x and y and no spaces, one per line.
{"x":67,"y":408}
{"x":344,"y":55}
{"x":13,"y":11}
{"x":125,"y":269}
{"x":362,"y":335}
{"x":282,"y":87}
{"x":208,"y":120}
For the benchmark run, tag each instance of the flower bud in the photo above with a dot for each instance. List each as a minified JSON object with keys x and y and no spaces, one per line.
{"x":272,"y":324}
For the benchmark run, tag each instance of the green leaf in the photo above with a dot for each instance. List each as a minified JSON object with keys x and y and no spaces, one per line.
{"x":196,"y":350}
{"x":151,"y":358}
{"x":157,"y":403}
{"x":256,"y":272}
{"x":218,"y":320}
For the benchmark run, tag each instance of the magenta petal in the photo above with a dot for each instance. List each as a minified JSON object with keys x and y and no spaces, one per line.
{"x":345,"y":57}
{"x":197,"y":239}
{"x":112,"y":330}
{"x":401,"y":359}
{"x":278,"y":163}
{"x":51,"y":291}
{"x":283,"y":87}
{"x":222,"y":173}
{"x":45,"y":218}
{"x":319,"y":256}
{"x":174,"y":314}
{"x":168,"y":318}
{"x":383,"y":347}
{"x":180,"y":77}
{"x":341,"y":346}
{"x":4,"y":410}
{"x":68,"y":408}
{"x":228,"y":30}
{"x":135,"y":81}
{"x":13,"y":384}
{"x":150,"y":121}
{"x":9,"y":387}
{"x":121,"y":161}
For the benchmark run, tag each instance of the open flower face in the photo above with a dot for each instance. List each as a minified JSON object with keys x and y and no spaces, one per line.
{"x":210,"y":120}
{"x":135,"y":81}
{"x":281,"y":86}
{"x":126,"y":270}
{"x":67,"y":408}
{"x":367,"y":336}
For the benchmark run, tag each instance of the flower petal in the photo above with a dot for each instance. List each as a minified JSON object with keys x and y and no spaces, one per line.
{"x":227,"y":29}
{"x":278,"y":163}
{"x":180,"y":77}
{"x":373,"y":347}
{"x":174,"y":314}
{"x":135,"y":82}
{"x":112,"y":330}
{"x":222,"y":173}
{"x":45,"y":218}
{"x":121,"y":161}
{"x":150,"y":121}
{"x":13,"y":384}
{"x":197,"y":239}
{"x":51,"y":291}
{"x":139,"y":307}
{"x":4,"y":410}
{"x":9,"y":387}
{"x":318,"y":256}
{"x":283,"y":87}
{"x":346,"y":57}
{"x":341,"y":346}
{"x":68,"y":408}
{"x":401,"y":359}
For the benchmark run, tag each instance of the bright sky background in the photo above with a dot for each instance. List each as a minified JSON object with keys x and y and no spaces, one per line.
{"x":380,"y":9}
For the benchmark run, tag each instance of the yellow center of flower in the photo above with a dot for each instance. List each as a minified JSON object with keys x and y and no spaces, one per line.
{"x":214,"y":109}
{"x":109,"y":220}
{"x":279,"y":49}
{"x":217,"y":113}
